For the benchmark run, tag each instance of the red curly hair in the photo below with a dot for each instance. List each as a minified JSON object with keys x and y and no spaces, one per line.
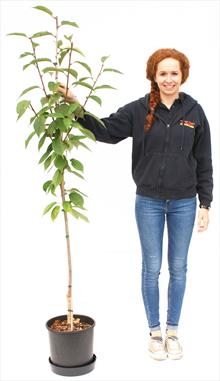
{"x":151,"y":69}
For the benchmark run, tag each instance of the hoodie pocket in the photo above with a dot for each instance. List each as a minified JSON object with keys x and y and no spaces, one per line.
{"x":147,"y":171}
{"x":179,"y":173}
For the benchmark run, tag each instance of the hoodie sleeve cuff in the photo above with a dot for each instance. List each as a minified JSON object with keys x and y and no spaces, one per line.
{"x":204,"y":206}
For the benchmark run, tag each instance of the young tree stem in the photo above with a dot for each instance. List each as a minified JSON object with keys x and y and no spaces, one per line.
{"x":69,"y":260}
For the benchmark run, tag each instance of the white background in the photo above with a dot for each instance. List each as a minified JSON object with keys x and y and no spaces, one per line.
{"x":106,"y":252}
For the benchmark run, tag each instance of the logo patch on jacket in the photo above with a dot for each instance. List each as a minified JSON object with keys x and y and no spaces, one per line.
{"x":187,"y":123}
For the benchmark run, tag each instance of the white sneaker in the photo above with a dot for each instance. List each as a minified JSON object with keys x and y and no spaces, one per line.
{"x":173,"y":347}
{"x":156,"y":347}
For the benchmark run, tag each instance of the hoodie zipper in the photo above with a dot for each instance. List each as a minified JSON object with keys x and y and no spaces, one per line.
{"x":163,"y":164}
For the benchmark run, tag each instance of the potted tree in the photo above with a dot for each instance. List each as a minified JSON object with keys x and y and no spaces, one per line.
{"x":54,"y":122}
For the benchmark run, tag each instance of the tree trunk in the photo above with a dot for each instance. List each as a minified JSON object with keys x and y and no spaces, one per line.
{"x":69,"y":259}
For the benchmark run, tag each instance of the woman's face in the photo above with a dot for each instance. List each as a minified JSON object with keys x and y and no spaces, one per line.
{"x":168,"y":77}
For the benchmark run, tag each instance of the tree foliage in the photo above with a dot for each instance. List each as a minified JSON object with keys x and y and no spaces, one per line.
{"x":55,"y":123}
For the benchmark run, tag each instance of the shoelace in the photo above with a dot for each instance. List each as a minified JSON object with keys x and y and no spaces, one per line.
{"x":157,"y":338}
{"x":175,"y":338}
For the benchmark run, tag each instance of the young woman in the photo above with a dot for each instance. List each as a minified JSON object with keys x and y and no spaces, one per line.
{"x":171,"y":165}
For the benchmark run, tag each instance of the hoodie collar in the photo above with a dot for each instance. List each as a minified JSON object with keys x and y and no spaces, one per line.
{"x":187,"y":101}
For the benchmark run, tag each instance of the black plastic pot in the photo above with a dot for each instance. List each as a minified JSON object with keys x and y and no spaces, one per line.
{"x":72,"y":352}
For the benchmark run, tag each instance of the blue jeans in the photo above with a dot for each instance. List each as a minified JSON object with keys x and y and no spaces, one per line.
{"x":180,"y":217}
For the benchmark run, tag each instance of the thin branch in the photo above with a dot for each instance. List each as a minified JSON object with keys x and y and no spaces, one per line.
{"x":83,"y":106}
{"x":68,"y":74}
{"x":38,"y":69}
{"x":56,"y":54}
{"x":93,"y":86}
{"x":33,"y":110}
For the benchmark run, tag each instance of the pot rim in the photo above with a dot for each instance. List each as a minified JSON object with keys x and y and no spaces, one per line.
{"x":69,"y":332}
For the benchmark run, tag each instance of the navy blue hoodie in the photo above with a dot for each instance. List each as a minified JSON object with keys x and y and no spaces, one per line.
{"x":173,"y":159}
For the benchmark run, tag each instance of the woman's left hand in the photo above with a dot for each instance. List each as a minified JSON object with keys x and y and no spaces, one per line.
{"x":203,"y":220}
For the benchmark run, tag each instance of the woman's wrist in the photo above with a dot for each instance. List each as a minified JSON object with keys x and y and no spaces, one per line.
{"x":204,"y":207}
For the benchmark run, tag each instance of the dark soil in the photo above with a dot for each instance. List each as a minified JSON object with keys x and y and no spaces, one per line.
{"x":62,"y":326}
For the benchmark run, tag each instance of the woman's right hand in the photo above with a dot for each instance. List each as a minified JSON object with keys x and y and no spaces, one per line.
{"x":69,"y":96}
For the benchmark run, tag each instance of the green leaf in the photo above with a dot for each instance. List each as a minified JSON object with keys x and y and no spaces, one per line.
{"x":88,"y":134}
{"x":44,"y":100}
{"x":48,"y":207}
{"x":57,"y":177}
{"x":69,"y":145}
{"x":42,"y":141}
{"x":75,"y":173}
{"x":63,"y":109}
{"x":33,"y":62}
{"x":32,"y":118}
{"x":28,"y":89}
{"x":51,"y":128}
{"x":62,"y":55}
{"x":52,"y":189}
{"x":59,"y":43}
{"x":44,"y":9}
{"x":83,"y":79}
{"x":46,"y":154}
{"x":77,"y":199}
{"x":105,"y":87}
{"x":95,"y":117}
{"x":48,"y":162}
{"x":78,"y":215}
{"x":67,"y":122}
{"x":85,"y":84}
{"x":61,"y":125}
{"x":77,"y":165}
{"x":67,"y":207}
{"x":55,"y":115}
{"x":55,"y":212}
{"x":17,"y":34}
{"x":39,"y":125}
{"x":60,"y":162}
{"x":34,"y":44}
{"x":29,"y":138}
{"x":22,"y":107}
{"x":72,"y":72}
{"x":78,"y":51}
{"x":41,"y":34}
{"x":53,"y":86}
{"x":51,"y":69}
{"x":96,"y":99}
{"x":73,"y":107}
{"x":25,"y":54}
{"x":78,"y":191}
{"x":58,"y":146}
{"x":69,"y":38}
{"x":46,"y":185}
{"x":104,"y":58}
{"x":74,"y":138}
{"x":113,"y":70}
{"x":69,"y":23}
{"x":53,"y":99}
{"x":83,"y":145}
{"x":57,"y":124}
{"x":87,"y":67}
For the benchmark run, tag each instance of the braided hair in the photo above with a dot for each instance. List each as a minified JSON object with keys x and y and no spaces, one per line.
{"x":151,"y":69}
